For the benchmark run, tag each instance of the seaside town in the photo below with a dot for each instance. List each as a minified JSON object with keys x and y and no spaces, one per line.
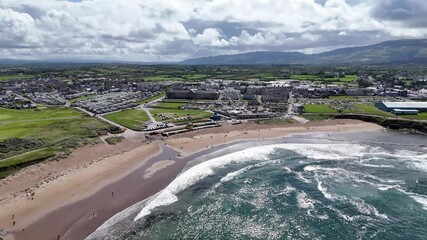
{"x":167,"y":102}
{"x":99,"y":116}
{"x":213,"y":119}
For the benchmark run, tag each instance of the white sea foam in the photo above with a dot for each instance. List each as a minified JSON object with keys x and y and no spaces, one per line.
{"x":421,"y":200}
{"x":302,"y":178}
{"x":313,"y":151}
{"x":311,"y":168}
{"x":366,"y":208}
{"x":201,"y":171}
{"x":288,"y":189}
{"x":383,"y":187}
{"x":376,"y":165}
{"x":303,"y":201}
{"x":325,"y":192}
{"x":232,"y":175}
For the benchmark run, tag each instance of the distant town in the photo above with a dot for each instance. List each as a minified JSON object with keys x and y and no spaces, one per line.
{"x":307,"y":97}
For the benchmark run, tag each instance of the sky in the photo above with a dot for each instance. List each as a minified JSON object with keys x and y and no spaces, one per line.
{"x":174,"y":30}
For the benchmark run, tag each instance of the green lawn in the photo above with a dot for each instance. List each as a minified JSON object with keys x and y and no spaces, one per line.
{"x":419,"y":116}
{"x":9,"y":77}
{"x":369,"y":109}
{"x":176,"y":115}
{"x":318,"y":108}
{"x":58,"y":129}
{"x":355,"y":98}
{"x":51,"y":125}
{"x":23,"y":123}
{"x":323,"y":111}
{"x":171,"y":105}
{"x":132,"y":118}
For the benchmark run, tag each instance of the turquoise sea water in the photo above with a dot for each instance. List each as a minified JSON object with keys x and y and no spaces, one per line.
{"x":318,"y":187}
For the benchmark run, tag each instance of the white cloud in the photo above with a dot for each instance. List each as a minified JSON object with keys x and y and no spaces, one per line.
{"x":156,"y":30}
{"x":17,"y":30}
{"x":210,"y":37}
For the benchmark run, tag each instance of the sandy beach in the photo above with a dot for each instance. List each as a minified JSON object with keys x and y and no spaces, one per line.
{"x":191,"y":142}
{"x":71,"y":197}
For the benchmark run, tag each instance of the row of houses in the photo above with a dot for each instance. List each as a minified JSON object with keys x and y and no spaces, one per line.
{"x":111,"y":102}
{"x":9,"y":100}
{"x":206,"y":94}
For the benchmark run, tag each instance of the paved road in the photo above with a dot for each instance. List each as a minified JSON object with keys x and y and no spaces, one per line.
{"x":146,"y":108}
{"x":290,"y":104}
{"x":27,"y":99}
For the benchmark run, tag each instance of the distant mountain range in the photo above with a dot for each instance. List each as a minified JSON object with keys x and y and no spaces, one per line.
{"x":399,"y":51}
{"x":390,"y":52}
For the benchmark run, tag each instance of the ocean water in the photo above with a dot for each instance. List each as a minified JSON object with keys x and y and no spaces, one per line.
{"x":319,"y":186}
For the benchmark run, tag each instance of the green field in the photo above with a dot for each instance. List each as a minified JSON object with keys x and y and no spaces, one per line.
{"x":368,"y":109}
{"x":173,"y":111}
{"x":419,"y":116}
{"x":319,"y":108}
{"x":347,"y":78}
{"x":133,"y":118}
{"x":57,"y":129}
{"x":170,"y":105}
{"x":9,"y":77}
{"x":52,"y":124}
{"x":355,"y":98}
{"x":183,"y":77}
{"x":322,"y":111}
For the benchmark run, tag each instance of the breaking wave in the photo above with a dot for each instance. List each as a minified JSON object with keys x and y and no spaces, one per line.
{"x":335,"y":152}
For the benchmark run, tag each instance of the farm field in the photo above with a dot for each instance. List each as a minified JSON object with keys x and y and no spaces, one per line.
{"x":347,"y":78}
{"x":10,"y":77}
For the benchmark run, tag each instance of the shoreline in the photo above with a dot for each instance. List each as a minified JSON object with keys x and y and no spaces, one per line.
{"x":154,"y":171}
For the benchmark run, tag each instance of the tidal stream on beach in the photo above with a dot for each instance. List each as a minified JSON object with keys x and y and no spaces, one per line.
{"x":313,"y":186}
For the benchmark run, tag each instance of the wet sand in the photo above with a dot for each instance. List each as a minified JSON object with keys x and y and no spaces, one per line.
{"x":191,"y":142}
{"x":103,"y":189}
